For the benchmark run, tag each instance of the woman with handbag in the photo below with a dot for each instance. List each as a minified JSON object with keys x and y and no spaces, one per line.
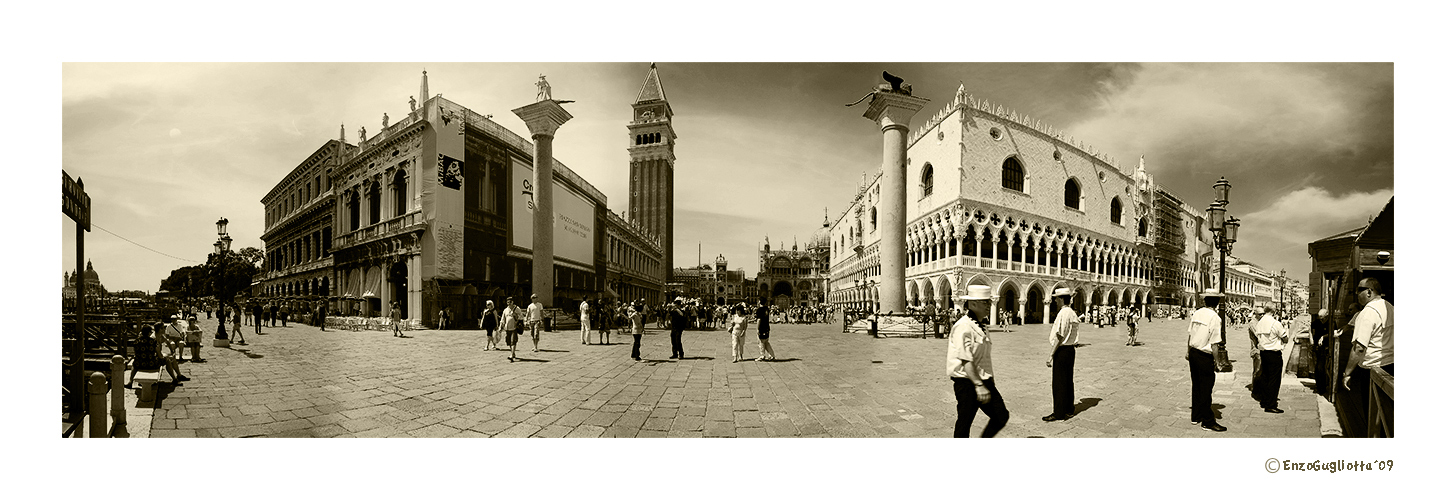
{"x":489,"y":321}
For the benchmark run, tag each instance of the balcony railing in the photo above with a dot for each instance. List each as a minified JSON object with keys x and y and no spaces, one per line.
{"x":407,"y":222}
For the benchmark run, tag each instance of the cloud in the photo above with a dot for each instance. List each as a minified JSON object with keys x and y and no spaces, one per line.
{"x":1313,"y":213}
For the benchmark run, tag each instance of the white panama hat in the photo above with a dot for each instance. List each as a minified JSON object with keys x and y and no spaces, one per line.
{"x":977,"y":292}
{"x":1062,"y":292}
{"x":1212,"y":292}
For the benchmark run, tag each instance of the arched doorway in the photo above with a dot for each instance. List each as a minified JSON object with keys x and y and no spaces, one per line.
{"x":943,"y":299}
{"x":783,"y":294}
{"x":1034,"y":299}
{"x":914,"y":298}
{"x":1009,"y":303}
{"x":399,"y":287}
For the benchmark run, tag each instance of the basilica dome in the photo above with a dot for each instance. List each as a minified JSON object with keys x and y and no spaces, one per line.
{"x":820,"y":239}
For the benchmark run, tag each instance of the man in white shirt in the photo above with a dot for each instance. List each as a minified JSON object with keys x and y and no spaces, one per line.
{"x":1374,"y":339}
{"x":1204,"y":330}
{"x":1063,"y":339}
{"x":533,"y":322}
{"x":968,"y":363}
{"x":1270,"y":336}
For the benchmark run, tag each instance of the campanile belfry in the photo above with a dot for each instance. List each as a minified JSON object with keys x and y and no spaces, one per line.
{"x":650,"y":141}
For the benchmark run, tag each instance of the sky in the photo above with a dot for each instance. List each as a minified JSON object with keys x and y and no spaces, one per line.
{"x":165,"y":149}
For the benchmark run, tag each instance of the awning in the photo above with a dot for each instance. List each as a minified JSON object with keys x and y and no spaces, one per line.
{"x":373,"y":282}
{"x":611,"y":293}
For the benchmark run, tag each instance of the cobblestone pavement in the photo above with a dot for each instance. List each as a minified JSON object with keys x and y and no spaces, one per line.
{"x":300,"y":382}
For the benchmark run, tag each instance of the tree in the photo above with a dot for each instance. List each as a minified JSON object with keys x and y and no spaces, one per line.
{"x":253,"y":255}
{"x":187,"y":282}
{"x":229,"y":273}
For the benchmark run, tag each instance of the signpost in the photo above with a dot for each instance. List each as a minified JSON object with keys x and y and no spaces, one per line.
{"x":76,"y":204}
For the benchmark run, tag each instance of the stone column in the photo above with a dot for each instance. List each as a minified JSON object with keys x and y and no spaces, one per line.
{"x":892,"y":110}
{"x":543,"y":118}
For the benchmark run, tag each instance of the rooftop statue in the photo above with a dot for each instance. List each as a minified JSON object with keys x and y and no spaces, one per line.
{"x":543,"y":89}
{"x":894,"y":85}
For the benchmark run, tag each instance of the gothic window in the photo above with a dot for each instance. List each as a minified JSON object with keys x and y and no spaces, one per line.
{"x":1143,"y":227}
{"x":401,"y":199}
{"x":1012,"y":175}
{"x":874,"y":217}
{"x":353,"y":210}
{"x":374,"y":203}
{"x":927,"y":180}
{"x":1116,"y":211}
{"x":1072,"y":195}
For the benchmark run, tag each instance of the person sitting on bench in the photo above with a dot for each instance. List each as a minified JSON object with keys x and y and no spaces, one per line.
{"x":149,"y":357}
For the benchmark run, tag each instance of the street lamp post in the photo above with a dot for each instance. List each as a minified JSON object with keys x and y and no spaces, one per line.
{"x":1282,"y":282}
{"x":1225,"y":233}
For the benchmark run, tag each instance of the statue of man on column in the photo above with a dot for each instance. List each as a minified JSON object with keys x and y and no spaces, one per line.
{"x":543,"y":89}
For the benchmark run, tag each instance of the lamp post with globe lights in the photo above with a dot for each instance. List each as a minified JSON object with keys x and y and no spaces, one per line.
{"x":1225,"y":233}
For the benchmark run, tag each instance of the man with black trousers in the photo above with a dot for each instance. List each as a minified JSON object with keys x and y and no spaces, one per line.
{"x":1063,"y":340}
{"x":1270,"y":337}
{"x":968,"y":364}
{"x":679,"y":322}
{"x":257,"y":317}
{"x":1204,"y":330}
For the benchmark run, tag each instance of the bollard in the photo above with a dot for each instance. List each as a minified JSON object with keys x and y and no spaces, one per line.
{"x":97,"y":408}
{"x":118,"y":383}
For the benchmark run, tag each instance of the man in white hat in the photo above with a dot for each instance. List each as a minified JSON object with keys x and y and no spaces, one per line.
{"x":1269,"y":337}
{"x":1204,"y":330}
{"x":968,"y":363}
{"x":1063,"y":357}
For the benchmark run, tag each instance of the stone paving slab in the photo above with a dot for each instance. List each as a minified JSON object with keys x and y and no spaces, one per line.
{"x":300,"y":382}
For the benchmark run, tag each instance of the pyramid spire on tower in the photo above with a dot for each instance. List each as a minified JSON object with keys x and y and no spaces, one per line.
{"x":652,"y":87}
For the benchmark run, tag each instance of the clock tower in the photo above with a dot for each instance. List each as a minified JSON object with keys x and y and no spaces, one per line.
{"x":650,"y":140}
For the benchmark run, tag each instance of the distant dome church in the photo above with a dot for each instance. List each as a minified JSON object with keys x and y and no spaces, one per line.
{"x":90,"y":278}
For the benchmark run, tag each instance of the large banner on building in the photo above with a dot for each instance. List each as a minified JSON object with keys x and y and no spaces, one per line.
{"x":575,"y":219}
{"x":442,"y":172}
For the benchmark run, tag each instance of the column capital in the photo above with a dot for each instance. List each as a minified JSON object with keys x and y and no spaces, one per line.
{"x":543,"y":117}
{"x":893,"y":110}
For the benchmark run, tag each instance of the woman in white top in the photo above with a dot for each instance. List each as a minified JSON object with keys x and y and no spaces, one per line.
{"x":737,"y":325}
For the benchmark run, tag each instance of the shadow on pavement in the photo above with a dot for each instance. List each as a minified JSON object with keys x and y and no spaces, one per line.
{"x":1217,"y":415}
{"x":655,"y":362}
{"x":785,"y":360}
{"x":554,"y":350}
{"x":533,"y":360}
{"x":246,"y":352}
{"x":708,"y":358}
{"x":1085,"y":404}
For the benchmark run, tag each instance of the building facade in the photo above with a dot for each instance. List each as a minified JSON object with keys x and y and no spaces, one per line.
{"x":996,"y":198}
{"x":434,"y":212}
{"x":634,"y":261}
{"x":716,"y":285}
{"x":794,"y":277}
{"x":298,"y":226}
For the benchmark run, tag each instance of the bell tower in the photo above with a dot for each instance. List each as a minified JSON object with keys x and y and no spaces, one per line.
{"x":650,"y":141}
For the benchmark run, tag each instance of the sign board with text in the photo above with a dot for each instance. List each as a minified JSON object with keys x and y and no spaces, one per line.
{"x":75,"y":203}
